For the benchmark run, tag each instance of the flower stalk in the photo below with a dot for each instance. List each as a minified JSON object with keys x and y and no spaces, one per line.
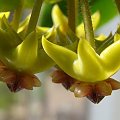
{"x":87,"y":22}
{"x":71,"y":5}
{"x":34,"y":16}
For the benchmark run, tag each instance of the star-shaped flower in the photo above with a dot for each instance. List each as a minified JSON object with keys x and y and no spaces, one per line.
{"x":86,"y":66}
{"x":21,"y":56}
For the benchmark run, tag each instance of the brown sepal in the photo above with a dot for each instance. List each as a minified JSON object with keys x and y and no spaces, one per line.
{"x":94,"y":91}
{"x":59,"y":76}
{"x":16,"y":80}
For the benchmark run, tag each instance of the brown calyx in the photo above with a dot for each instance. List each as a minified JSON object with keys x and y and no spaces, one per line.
{"x":16,"y":80}
{"x":94,"y":91}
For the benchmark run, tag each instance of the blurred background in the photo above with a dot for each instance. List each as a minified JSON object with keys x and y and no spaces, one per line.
{"x":52,"y":101}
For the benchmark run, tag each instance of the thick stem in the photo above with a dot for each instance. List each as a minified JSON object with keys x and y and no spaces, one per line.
{"x":17,"y":15}
{"x":87,"y":22}
{"x":34,"y":16}
{"x":71,"y":14}
{"x":118,"y":4}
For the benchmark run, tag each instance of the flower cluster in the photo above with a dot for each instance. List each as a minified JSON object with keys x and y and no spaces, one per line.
{"x":80,"y":68}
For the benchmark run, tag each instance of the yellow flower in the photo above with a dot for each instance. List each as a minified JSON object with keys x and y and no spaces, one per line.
{"x":59,"y":19}
{"x":86,"y":64}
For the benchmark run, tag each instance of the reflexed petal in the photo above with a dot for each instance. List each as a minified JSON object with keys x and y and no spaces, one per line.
{"x":13,"y":38}
{"x":26,"y":52}
{"x":111,"y":58}
{"x":59,"y":19}
{"x":88,"y":65}
{"x":62,"y":56}
{"x":24,"y":24}
{"x":101,"y":37}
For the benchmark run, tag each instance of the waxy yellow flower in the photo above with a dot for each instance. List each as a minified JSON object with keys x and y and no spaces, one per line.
{"x":59,"y":19}
{"x":21,"y":56}
{"x":86,"y":64}
{"x":86,"y":71}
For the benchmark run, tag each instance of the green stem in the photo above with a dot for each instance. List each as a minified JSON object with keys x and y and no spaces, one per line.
{"x":34,"y":16}
{"x":17,"y":15}
{"x":118,"y":4}
{"x":71,"y":14}
{"x":87,"y":22}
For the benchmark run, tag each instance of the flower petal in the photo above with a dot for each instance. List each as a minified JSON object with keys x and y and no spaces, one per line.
{"x":88,"y":65}
{"x":13,"y":36}
{"x":111,"y":58}
{"x":59,"y":19}
{"x":42,"y":62}
{"x":62,"y":56}
{"x":24,"y":24}
{"x":26,"y":52}
{"x":6,"y":14}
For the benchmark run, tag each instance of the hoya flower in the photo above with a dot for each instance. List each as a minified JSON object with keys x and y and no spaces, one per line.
{"x":89,"y":69}
{"x":87,"y":66}
{"x":59,"y":19}
{"x":21,"y":57}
